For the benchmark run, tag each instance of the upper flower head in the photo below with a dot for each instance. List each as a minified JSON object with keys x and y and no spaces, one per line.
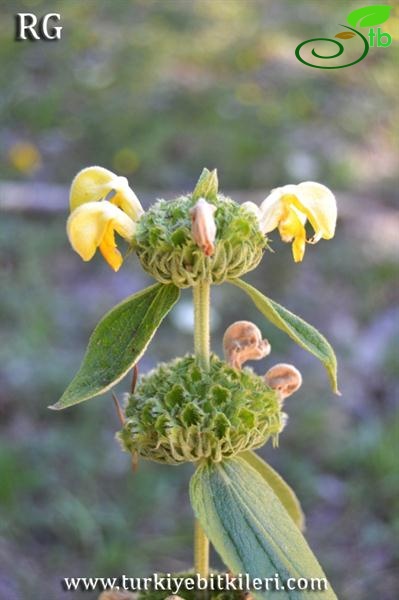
{"x":94,"y":220}
{"x":202,"y":236}
{"x":289,"y":207}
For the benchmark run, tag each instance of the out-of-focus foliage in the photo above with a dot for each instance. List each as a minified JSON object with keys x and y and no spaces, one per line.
{"x":158,"y":90}
{"x":155,"y":90}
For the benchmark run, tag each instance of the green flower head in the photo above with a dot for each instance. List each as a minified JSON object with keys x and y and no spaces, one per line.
{"x":203,"y":236}
{"x":181,"y":413}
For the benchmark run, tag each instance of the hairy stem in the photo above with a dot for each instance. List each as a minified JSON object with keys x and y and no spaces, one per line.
{"x":201,"y":297}
{"x":201,"y":551}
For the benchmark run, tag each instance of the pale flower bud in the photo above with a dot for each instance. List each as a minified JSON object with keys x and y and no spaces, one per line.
{"x":252,"y":208}
{"x":283,"y":378}
{"x":243,"y":341}
{"x":203,"y":226}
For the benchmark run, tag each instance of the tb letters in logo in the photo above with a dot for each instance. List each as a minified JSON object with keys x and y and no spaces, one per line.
{"x":367,"y":16}
{"x":29,"y":27}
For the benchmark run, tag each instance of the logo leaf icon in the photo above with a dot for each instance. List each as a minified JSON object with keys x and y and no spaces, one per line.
{"x":369,"y":15}
{"x":345,"y":35}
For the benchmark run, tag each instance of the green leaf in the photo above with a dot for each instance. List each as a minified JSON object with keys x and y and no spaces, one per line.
{"x":207,"y":185}
{"x":250,"y":528}
{"x":283,"y":491}
{"x":369,"y":16}
{"x":118,"y":341}
{"x":301,"y":332}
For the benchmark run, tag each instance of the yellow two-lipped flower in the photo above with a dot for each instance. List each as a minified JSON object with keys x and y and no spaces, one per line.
{"x":289,"y":207}
{"x":94,"y":219}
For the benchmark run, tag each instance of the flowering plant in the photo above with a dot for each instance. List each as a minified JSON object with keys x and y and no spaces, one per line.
{"x":199,"y":408}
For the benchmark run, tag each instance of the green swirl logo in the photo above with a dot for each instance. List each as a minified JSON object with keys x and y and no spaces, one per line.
{"x":368,"y":16}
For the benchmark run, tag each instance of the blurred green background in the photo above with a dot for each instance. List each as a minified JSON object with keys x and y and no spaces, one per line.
{"x":156,"y":90}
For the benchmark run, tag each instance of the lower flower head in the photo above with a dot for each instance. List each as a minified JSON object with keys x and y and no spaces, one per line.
{"x":181,"y":413}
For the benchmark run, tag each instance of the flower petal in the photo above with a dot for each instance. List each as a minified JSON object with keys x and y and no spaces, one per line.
{"x":292,"y":228}
{"x":319,"y":205}
{"x":109,"y":250}
{"x":88,"y":225}
{"x":203,"y":226}
{"x":126,"y":199}
{"x":298,"y":245}
{"x":90,"y":185}
{"x":272,"y":208}
{"x":94,"y":183}
{"x":292,"y":221}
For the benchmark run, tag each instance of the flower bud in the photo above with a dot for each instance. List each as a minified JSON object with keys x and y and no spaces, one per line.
{"x":252,"y":208}
{"x":207,"y":185}
{"x":243,"y":341}
{"x":203,"y":226}
{"x":283,"y":378}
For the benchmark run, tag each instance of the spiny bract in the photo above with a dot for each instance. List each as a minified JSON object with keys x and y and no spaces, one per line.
{"x":182,"y":413}
{"x":166,"y":249}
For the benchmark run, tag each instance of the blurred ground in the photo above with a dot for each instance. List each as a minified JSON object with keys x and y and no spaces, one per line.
{"x":157,"y":91}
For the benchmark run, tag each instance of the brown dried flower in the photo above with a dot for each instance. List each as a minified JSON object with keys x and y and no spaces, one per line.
{"x":243,"y":341}
{"x":284,"y":378}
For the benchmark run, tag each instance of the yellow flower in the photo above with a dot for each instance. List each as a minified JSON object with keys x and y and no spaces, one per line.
{"x":95,"y":183}
{"x":94,"y":220}
{"x":288,"y":208}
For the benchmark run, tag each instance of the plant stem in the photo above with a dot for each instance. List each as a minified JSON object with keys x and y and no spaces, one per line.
{"x":201,"y":297}
{"x":201,"y":551}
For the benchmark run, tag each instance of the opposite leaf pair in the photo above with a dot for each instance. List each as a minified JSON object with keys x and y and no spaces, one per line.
{"x":122,"y":336}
